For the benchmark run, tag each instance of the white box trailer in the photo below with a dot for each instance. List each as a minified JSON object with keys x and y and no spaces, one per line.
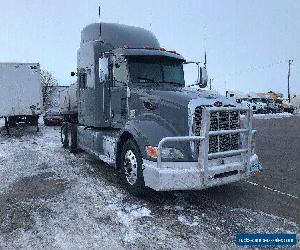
{"x":21,"y":93}
{"x":68,"y":100}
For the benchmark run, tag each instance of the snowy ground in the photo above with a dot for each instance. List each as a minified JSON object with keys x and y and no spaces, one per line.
{"x":50,"y":198}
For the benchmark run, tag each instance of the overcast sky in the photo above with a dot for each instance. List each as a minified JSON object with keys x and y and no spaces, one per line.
{"x":248,"y":43}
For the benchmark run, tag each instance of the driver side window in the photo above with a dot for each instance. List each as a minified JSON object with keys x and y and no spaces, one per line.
{"x":120,"y":73}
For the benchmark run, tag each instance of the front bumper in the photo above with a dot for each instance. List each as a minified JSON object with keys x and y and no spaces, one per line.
{"x":190,"y":175}
{"x":211,"y":169}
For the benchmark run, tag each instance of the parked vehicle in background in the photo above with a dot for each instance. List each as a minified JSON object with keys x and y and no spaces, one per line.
{"x":53,"y":118}
{"x":278,"y":105}
{"x":243,"y":99}
{"x":248,"y":102}
{"x":261,"y":104}
{"x":21,"y":93}
{"x":296,"y":102}
{"x":287,"y":106}
{"x":132,"y":109}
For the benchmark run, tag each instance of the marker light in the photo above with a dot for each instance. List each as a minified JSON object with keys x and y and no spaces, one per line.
{"x":151,"y":151}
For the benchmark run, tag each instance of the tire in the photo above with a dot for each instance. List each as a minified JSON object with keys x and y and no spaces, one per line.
{"x":11,"y":122}
{"x":63,"y":135}
{"x":32,"y":120}
{"x":72,"y":137}
{"x":131,"y":166}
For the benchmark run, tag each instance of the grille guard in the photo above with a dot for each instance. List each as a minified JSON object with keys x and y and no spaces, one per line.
{"x":205,"y":133}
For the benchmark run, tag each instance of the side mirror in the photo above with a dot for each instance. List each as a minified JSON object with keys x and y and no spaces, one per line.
{"x":202,"y":77}
{"x":73,"y":74}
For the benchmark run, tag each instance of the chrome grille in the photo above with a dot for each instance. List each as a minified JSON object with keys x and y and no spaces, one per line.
{"x":220,"y":120}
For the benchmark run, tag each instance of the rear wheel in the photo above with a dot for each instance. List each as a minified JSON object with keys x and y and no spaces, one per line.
{"x":72,"y":138}
{"x":132,"y":169}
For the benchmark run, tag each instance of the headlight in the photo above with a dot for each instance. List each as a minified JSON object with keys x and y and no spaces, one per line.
{"x":166,"y":153}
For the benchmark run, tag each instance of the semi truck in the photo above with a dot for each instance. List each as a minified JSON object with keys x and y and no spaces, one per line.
{"x":21,"y":93}
{"x":131,"y":108}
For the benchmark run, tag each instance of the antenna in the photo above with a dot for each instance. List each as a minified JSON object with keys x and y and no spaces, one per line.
{"x":205,"y":59}
{"x":289,"y":74}
{"x":100,"y":28}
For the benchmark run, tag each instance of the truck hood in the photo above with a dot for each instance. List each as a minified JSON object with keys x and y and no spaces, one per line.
{"x":183,"y":96}
{"x":171,"y":113}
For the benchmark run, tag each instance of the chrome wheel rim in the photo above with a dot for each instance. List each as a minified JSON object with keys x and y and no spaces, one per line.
{"x":130,"y":167}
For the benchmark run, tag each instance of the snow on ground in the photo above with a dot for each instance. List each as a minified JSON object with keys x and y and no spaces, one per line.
{"x":66,"y":203}
{"x":50,"y":198}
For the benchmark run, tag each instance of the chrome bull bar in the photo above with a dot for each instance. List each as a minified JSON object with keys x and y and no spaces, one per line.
{"x":205,"y":133}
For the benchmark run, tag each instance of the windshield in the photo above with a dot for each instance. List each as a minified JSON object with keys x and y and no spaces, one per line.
{"x":156,"y":70}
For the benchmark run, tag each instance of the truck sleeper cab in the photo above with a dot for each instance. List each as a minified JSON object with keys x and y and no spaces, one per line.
{"x":134,"y":111}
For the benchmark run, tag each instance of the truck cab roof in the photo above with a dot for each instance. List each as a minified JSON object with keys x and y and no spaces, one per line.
{"x":118,"y":35}
{"x":136,"y":52}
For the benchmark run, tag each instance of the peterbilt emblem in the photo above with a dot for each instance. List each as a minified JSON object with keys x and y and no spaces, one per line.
{"x":218,"y":104}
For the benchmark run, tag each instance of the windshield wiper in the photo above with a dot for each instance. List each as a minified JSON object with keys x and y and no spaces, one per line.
{"x":178,"y":83}
{"x":148,"y":79}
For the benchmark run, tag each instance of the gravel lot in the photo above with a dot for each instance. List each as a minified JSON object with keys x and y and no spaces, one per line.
{"x":50,"y":198}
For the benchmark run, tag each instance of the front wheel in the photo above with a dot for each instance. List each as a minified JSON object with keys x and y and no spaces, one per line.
{"x":132,"y":168}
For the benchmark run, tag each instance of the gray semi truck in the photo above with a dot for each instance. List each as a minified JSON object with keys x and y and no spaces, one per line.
{"x":132,"y":109}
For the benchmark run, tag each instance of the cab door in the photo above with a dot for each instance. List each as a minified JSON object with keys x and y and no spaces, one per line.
{"x":119,"y":91}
